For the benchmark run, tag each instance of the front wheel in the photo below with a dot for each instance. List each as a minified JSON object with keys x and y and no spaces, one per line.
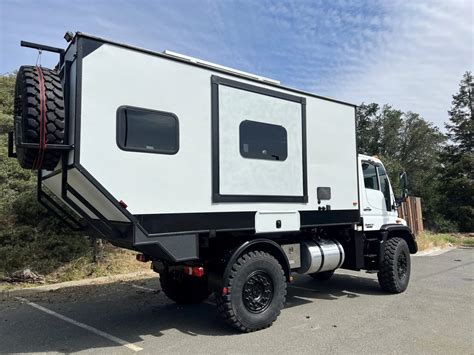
{"x":394,"y":273}
{"x":256,"y":292}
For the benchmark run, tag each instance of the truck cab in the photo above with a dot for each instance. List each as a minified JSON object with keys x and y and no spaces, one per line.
{"x":378,"y":205}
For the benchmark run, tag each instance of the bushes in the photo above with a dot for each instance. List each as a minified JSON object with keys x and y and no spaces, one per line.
{"x":437,"y":223}
{"x":42,"y":251}
{"x":29,"y":236}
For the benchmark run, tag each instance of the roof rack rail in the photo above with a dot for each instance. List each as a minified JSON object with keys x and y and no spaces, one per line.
{"x":218,"y":66}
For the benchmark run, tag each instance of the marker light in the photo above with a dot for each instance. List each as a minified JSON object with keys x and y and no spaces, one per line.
{"x":123,"y":204}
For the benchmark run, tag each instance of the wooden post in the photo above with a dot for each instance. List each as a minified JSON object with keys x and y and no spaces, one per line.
{"x":410,"y":210}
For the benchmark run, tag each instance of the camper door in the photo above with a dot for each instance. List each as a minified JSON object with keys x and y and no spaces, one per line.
{"x":259,"y":144}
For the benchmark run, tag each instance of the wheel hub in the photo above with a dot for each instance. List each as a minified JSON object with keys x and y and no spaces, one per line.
{"x":257,"y":292}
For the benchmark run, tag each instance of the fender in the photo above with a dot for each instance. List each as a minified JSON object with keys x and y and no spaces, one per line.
{"x":398,"y":230}
{"x":264,"y":245}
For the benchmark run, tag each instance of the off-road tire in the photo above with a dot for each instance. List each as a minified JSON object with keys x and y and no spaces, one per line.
{"x":234,"y":306}
{"x":322,"y":276}
{"x":394,"y":273}
{"x":182,"y":288}
{"x":27,"y":115}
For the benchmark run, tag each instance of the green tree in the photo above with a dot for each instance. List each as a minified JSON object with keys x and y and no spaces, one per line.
{"x":391,"y":124}
{"x":7,"y":90}
{"x":368,"y":135}
{"x":404,"y":142}
{"x":461,"y":116}
{"x":457,"y":159}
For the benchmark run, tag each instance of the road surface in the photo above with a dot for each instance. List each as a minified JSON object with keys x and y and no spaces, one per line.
{"x":348,"y":314}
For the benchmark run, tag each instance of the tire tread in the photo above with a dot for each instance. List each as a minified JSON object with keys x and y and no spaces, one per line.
{"x":387,"y":275}
{"x":27,"y":119}
{"x":224,"y":303}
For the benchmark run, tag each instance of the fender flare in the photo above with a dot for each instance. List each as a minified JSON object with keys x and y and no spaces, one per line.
{"x":266,"y":245}
{"x":398,"y":230}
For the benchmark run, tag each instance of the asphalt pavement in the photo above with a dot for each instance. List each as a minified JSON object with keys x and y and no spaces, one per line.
{"x":347,"y":315}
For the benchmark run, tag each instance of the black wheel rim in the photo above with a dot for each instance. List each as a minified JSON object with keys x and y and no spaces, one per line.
{"x":257,"y":293}
{"x":402,"y":266}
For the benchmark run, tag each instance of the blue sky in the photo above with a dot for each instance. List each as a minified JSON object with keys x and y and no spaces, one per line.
{"x":410,"y":54}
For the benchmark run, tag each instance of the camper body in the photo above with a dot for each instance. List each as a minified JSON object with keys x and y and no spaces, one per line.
{"x":226,"y":181}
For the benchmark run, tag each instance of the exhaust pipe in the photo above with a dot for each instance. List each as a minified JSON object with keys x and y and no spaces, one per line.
{"x":319,"y":256}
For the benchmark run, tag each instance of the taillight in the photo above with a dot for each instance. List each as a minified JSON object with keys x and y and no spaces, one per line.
{"x":197,"y":271}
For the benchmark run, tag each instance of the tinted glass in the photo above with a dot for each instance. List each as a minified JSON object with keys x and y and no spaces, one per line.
{"x":370,"y":176}
{"x":147,"y":131}
{"x":263,"y":141}
{"x":385,"y":186}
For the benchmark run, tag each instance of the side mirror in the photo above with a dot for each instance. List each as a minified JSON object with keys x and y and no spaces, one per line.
{"x":403,"y":186}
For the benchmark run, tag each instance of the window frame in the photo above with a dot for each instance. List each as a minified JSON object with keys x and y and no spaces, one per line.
{"x":388,"y":203}
{"x":217,"y":81}
{"x":377,"y":166}
{"x":120,"y":128}
{"x":262,"y":156}
{"x":376,"y":175}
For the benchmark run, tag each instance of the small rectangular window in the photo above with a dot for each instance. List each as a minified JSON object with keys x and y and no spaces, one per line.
{"x":144,"y":130}
{"x":260,"y":140}
{"x":370,"y":176}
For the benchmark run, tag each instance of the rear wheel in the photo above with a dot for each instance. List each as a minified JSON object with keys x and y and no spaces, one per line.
{"x":394,"y":273}
{"x":182,"y":288}
{"x":256,"y":292}
{"x":38,"y":116}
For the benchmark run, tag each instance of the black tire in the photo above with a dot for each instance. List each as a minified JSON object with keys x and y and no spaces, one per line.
{"x":182,"y":288}
{"x":27,"y":117}
{"x":394,"y":273}
{"x":256,"y":292}
{"x":322,"y":276}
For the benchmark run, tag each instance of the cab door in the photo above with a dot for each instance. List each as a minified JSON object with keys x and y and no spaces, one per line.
{"x":376,"y":196}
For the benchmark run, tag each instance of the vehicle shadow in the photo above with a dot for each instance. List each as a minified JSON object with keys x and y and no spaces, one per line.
{"x":305,"y":289}
{"x":136,"y":314}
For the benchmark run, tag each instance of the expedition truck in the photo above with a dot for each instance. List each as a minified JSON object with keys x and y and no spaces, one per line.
{"x":228,"y":182}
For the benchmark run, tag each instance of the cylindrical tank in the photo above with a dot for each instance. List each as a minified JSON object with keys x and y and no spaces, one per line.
{"x":321,"y":255}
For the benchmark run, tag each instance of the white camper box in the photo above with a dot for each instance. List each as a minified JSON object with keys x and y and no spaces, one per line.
{"x":207,"y":182}
{"x":228,"y":182}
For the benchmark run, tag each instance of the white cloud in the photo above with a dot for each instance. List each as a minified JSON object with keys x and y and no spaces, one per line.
{"x":416,"y":62}
{"x":410,"y":54}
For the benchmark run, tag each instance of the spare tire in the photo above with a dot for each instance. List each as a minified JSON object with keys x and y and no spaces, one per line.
{"x":38,"y":116}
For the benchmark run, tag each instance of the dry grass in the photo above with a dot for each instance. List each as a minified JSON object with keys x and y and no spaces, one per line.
{"x":428,"y":240}
{"x":111,"y":261}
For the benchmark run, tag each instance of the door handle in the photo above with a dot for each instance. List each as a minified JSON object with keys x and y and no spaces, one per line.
{"x":367,"y":209}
